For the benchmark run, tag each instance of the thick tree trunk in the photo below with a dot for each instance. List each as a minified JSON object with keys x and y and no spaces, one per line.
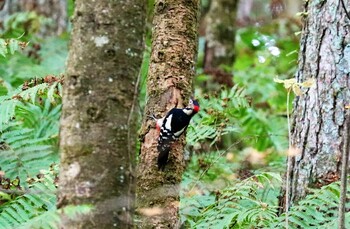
{"x":56,"y":10}
{"x":172,"y":67}
{"x":319,"y":114}
{"x":98,"y":128}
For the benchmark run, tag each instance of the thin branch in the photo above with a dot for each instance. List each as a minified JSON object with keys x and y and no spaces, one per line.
{"x":130,"y":151}
{"x":344,"y":169}
{"x":288,"y":160}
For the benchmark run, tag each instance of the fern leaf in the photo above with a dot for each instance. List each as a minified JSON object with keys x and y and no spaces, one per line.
{"x":3,"y":47}
{"x":31,"y":93}
{"x":7,"y":111}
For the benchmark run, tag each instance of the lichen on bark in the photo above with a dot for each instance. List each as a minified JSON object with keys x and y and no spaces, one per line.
{"x":98,"y":128}
{"x":318,"y":120}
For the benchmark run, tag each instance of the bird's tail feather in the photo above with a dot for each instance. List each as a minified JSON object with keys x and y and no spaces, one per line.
{"x":163,"y":150}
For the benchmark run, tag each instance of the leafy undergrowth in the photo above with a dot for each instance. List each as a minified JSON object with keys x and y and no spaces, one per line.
{"x":237,"y":141}
{"x":32,"y":203}
{"x":216,"y":194}
{"x":28,"y":147}
{"x":30,"y":108}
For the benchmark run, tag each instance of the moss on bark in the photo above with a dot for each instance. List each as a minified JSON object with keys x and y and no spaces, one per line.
{"x":170,"y":75}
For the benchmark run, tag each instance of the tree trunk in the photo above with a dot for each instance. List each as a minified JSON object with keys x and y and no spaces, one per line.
{"x":98,"y":127}
{"x":292,"y":7}
{"x":220,"y":35}
{"x":172,"y":67}
{"x":244,"y":11}
{"x":56,"y":10}
{"x":319,"y":114}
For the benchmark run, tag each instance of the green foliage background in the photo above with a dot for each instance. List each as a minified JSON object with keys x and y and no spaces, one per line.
{"x":30,"y":108}
{"x":237,"y":142}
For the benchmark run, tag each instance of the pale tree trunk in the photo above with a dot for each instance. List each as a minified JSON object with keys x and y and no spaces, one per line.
{"x":292,"y":7}
{"x":244,"y":11}
{"x":98,"y":127}
{"x":56,"y":10}
{"x":220,"y":34}
{"x":319,"y":114}
{"x":285,"y":8}
{"x":172,"y":67}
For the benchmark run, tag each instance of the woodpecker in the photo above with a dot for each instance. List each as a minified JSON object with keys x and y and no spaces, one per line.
{"x":171,"y":127}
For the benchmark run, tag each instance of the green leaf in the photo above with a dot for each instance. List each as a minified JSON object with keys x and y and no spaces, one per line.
{"x":13,"y":46}
{"x":3,"y":47}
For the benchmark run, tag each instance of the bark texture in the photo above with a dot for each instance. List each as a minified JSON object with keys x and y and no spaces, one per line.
{"x":98,"y":130}
{"x":56,"y":10}
{"x":319,"y":114}
{"x":220,"y":33}
{"x":172,"y":67}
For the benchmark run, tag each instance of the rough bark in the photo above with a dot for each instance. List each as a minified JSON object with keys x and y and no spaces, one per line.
{"x":319,"y":114}
{"x":172,"y":67}
{"x":56,"y":10}
{"x":98,"y":130}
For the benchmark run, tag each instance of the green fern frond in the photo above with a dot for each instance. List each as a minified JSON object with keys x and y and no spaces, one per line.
{"x":44,"y":89}
{"x":44,"y":119}
{"x":9,"y":104}
{"x":319,"y":209}
{"x":31,"y":93}
{"x":30,"y":133}
{"x":10,"y":46}
{"x":217,"y":116}
{"x":7,"y":111}
{"x":25,"y":154}
{"x":241,"y":205}
{"x":244,"y":205}
{"x":37,"y":207}
{"x":39,"y":198}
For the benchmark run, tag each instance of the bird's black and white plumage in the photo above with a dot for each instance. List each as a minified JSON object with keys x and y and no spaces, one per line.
{"x":171,"y":127}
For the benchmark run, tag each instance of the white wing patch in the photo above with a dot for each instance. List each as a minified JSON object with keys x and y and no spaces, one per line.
{"x":177,"y":134}
{"x":168,"y":122}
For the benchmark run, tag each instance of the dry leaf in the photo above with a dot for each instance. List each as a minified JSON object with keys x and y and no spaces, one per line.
{"x":193,"y":192}
{"x":151,"y":211}
{"x":255,"y":157}
{"x":229,"y":156}
{"x":308,"y":83}
{"x":277,"y":80}
{"x":297,"y":90}
{"x":293,"y":151}
{"x":288,"y":83}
